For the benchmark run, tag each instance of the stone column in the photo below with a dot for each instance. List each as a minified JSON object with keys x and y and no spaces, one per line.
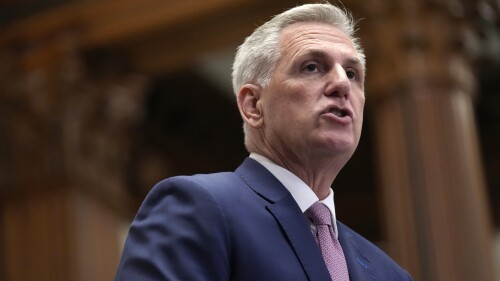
{"x":420,"y":95}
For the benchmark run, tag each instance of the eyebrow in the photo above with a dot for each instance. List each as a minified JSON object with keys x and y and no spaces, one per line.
{"x":356,"y":64}
{"x":320,"y":54}
{"x":354,"y":61}
{"x":317,"y":54}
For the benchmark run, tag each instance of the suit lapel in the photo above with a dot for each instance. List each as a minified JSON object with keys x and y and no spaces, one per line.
{"x":287,"y":213}
{"x":296,"y":228}
{"x":358,"y":264}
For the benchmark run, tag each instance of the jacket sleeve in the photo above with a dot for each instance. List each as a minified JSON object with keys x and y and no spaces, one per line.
{"x":179,"y":233}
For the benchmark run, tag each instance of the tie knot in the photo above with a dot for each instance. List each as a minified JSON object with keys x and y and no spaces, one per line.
{"x":319,"y":214}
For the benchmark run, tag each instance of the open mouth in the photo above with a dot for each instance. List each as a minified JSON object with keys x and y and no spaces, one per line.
{"x":339,"y":112}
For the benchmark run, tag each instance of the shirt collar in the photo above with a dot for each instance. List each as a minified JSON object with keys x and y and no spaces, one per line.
{"x":301,"y":192}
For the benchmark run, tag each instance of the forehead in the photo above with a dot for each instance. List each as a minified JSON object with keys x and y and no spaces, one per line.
{"x":300,"y":36}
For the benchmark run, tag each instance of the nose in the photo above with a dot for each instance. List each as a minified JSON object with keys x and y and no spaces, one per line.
{"x":338,"y":82}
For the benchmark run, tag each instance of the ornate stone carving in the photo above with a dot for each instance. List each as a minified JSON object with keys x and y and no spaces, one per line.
{"x":63,"y":121}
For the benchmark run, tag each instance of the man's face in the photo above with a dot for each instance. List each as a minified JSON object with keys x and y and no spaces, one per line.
{"x":313,"y":105}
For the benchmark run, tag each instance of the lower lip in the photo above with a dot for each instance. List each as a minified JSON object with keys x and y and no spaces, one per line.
{"x":345,"y":120}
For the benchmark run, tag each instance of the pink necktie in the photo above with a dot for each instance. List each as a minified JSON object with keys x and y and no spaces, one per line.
{"x":330,"y":247}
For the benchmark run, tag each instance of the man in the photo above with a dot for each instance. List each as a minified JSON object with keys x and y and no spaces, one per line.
{"x":299,"y":83}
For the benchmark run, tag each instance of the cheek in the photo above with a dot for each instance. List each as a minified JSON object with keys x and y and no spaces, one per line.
{"x":359,"y":104}
{"x":303,"y":100}
{"x":290,"y":101}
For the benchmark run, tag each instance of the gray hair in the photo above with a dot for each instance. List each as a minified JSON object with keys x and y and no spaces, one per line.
{"x":257,"y":57}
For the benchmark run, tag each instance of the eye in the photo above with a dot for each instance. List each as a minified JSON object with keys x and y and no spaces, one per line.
{"x":311,"y":67}
{"x":351,"y":74}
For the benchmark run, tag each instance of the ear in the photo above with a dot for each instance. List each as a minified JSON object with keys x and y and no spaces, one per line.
{"x":249,"y":105}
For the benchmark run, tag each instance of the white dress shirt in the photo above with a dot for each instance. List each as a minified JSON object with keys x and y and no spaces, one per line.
{"x":301,"y":192}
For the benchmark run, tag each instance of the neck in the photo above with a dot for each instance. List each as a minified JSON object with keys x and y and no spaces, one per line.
{"x":317,"y":172}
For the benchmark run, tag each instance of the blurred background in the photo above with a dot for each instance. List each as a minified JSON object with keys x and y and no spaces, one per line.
{"x":100,"y":99}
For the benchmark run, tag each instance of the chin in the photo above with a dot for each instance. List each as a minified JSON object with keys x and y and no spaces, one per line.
{"x":342,"y":144}
{"x":336,"y":148}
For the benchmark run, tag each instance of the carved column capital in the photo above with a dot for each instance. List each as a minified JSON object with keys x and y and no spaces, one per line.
{"x":416,"y":44}
{"x":63,"y":123}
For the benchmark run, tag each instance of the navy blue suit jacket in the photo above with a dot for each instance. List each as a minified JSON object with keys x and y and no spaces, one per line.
{"x":241,"y":225}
